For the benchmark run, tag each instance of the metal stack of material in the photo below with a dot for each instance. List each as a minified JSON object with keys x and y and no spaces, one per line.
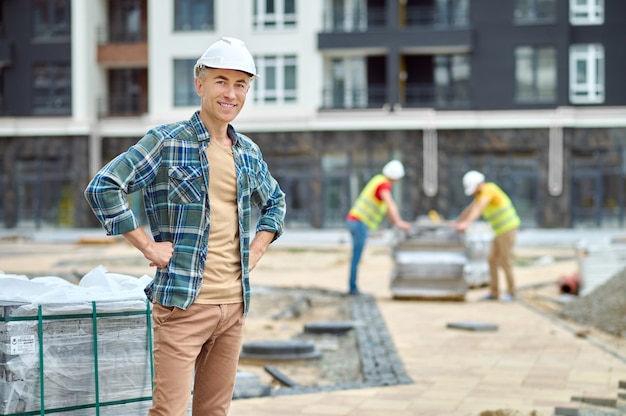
{"x":429,"y":264}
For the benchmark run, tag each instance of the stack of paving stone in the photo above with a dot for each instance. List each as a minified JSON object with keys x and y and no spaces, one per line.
{"x":477,"y":243}
{"x":429,"y":263}
{"x":51,"y":349}
{"x":596,"y":406}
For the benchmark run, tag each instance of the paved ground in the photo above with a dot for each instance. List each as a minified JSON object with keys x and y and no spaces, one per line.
{"x":532,"y":363}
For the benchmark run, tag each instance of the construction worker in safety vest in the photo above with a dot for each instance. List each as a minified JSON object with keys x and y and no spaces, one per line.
{"x":496,"y":208}
{"x":370,"y":208}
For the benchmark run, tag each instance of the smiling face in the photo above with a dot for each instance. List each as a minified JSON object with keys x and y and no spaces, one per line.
{"x":223,"y":93}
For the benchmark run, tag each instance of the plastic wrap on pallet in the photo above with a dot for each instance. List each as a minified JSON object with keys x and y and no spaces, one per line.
{"x":47,"y":345}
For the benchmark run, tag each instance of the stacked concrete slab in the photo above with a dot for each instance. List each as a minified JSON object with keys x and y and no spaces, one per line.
{"x":52,"y":348}
{"x":429,"y":263}
{"x":477,"y":243}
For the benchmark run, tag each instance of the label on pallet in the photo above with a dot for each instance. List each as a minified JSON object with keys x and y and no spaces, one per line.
{"x":22,"y":344}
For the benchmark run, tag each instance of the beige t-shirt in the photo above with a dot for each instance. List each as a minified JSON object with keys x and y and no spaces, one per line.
{"x":221,"y":283}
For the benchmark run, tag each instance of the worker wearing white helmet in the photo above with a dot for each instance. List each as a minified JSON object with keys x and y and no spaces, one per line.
{"x":495,"y":206}
{"x":201,"y":228}
{"x":374,"y":203}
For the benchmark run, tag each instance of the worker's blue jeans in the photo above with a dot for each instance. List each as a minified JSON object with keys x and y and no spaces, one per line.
{"x":359,"y":232}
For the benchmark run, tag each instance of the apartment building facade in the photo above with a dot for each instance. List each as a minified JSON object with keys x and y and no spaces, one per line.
{"x":528,"y":91}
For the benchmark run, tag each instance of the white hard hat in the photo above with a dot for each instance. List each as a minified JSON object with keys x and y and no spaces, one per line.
{"x":227,"y":53}
{"x":394,"y":170}
{"x":471,"y":180}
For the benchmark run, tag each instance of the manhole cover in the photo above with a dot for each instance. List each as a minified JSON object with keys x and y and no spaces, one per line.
{"x":328,"y":327}
{"x":280,"y":350}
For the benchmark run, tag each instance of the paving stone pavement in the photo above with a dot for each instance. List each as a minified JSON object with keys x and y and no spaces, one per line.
{"x":530,"y":365}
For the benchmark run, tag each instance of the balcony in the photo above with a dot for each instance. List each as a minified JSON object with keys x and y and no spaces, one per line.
{"x":339,"y":21}
{"x":436,"y":17}
{"x":123,"y":44}
{"x":123,"y":105}
{"x":354,"y":98}
{"x":434,"y":96}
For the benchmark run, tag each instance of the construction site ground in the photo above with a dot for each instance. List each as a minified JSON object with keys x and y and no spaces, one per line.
{"x":535,"y":362}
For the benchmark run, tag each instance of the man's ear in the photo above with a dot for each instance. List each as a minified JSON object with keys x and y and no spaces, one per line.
{"x":198,"y":84}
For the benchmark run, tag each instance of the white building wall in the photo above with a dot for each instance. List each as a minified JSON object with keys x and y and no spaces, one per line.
{"x":234,"y":18}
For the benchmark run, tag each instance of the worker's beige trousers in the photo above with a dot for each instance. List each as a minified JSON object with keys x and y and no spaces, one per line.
{"x":501,"y":255}
{"x":205,"y":340}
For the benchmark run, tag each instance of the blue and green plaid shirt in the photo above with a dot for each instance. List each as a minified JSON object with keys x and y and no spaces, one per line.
{"x":169,"y":165}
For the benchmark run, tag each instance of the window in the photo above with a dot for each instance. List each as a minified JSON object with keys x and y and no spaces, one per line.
{"x":51,"y":18}
{"x":347,"y":85}
{"x":451,"y":76}
{"x":535,"y":74}
{"x":125,"y":22}
{"x":586,"y":12}
{"x":277,"y":84}
{"x":586,"y":74}
{"x":52,"y":89}
{"x":184,"y":89}
{"x":274,"y":14}
{"x":194,"y":15}
{"x":533,"y":11}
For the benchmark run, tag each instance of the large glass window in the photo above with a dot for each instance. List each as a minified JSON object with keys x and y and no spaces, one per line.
{"x":586,"y":84}
{"x":586,"y":12}
{"x":277,"y":84}
{"x":52,"y":89}
{"x":51,"y":18}
{"x":451,"y":74}
{"x":535,"y":74}
{"x":347,"y":83}
{"x":125,"y":22}
{"x":535,"y":11}
{"x":190,"y":15}
{"x":274,"y":14}
{"x":184,"y":89}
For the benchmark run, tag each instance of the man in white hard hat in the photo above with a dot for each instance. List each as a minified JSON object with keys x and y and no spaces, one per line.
{"x":496,"y":207}
{"x":201,"y":243}
{"x":370,"y":208}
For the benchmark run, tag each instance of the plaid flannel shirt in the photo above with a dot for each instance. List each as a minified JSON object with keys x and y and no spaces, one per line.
{"x":170,"y":167}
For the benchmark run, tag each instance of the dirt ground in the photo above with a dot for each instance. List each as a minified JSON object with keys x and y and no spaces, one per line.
{"x":323,"y":272}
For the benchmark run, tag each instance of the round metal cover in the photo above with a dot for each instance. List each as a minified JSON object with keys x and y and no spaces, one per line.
{"x":328,"y":327}
{"x":280,"y":350}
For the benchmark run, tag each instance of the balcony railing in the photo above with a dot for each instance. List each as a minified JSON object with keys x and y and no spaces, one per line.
{"x":121,"y":34}
{"x":370,"y":97}
{"x":123,"y":105}
{"x":428,"y":16}
{"x":338,"y":21}
{"x":426,"y":95}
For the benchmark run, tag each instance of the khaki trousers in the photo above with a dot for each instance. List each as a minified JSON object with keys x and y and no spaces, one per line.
{"x":501,"y":256}
{"x":201,"y":344}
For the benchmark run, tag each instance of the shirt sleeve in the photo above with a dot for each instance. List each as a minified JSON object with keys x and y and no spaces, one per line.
{"x":270,"y":199}
{"x":129,"y":172}
{"x":489,"y":192}
{"x":382,"y":187}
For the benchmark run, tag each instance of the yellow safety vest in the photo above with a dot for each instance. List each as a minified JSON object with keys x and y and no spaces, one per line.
{"x":499,"y":212}
{"x":367,"y":208}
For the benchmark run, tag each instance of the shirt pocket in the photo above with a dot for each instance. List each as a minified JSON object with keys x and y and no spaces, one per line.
{"x":185,"y":184}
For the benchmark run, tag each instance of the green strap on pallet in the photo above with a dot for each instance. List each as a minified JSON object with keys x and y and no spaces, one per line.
{"x":41,"y":386}
{"x":96,"y":371}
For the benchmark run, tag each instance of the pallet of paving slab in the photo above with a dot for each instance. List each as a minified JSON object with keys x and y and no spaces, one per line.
{"x":69,"y":357}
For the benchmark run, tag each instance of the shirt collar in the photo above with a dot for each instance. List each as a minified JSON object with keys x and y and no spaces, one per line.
{"x":203,"y":134}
